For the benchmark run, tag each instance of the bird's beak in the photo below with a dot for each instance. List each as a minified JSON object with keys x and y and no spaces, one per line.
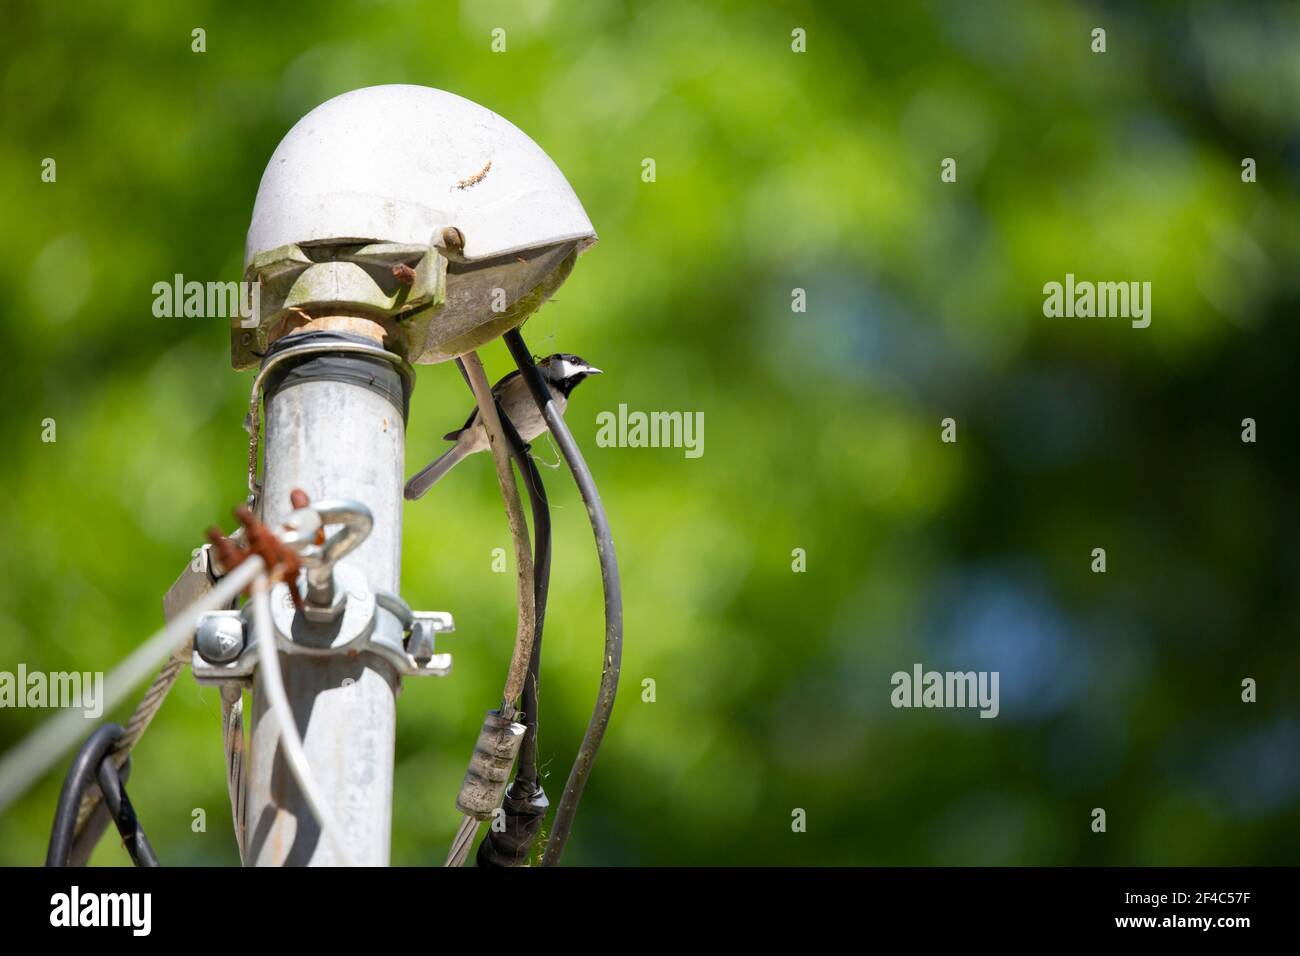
{"x":594,"y":371}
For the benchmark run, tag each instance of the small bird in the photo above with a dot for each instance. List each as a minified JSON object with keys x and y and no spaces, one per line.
{"x":562,"y":371}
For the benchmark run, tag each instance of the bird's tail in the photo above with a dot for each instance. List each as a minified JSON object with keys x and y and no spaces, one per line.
{"x":430,"y":473}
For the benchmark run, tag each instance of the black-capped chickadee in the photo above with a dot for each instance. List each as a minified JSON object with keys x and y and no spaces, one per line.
{"x":562,"y":371}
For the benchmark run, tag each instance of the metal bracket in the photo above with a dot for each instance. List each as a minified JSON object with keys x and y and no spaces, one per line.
{"x":405,"y":283}
{"x":195,"y":581}
{"x":377,"y":623}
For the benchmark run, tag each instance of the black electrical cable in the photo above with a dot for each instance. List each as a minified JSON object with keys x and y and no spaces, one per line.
{"x":541,"y":584}
{"x":93,"y":765}
{"x":613,"y":656}
{"x":525,"y":805}
{"x":81,"y":775}
{"x":541,"y":587}
{"x":128,"y":826}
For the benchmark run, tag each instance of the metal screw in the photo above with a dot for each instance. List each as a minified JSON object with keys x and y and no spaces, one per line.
{"x":220,"y":640}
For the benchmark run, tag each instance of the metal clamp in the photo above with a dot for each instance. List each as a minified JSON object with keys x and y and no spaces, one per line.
{"x":253,"y":420}
{"x":380,"y":623}
{"x":329,"y":608}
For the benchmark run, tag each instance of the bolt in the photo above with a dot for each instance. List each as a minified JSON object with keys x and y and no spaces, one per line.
{"x":420,"y":643}
{"x":220,"y":639}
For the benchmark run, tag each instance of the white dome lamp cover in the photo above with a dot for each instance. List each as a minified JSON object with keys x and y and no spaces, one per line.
{"x":379,"y":176}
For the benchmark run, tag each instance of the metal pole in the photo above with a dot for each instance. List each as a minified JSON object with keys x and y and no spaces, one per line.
{"x":331,"y":438}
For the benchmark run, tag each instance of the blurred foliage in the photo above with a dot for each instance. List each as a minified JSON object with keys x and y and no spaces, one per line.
{"x":775,"y":170}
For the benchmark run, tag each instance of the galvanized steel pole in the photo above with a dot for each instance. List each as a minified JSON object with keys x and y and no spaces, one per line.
{"x":331,"y":438}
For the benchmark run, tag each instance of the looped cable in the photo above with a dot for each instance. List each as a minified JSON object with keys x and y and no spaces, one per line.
{"x":94,"y":766}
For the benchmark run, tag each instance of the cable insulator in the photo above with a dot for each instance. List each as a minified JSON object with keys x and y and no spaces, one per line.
{"x":524,"y":809}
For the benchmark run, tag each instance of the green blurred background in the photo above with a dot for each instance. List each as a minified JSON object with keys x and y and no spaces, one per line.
{"x":775,"y":171}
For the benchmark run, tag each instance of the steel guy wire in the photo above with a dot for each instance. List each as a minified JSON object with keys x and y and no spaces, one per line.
{"x":41,"y":749}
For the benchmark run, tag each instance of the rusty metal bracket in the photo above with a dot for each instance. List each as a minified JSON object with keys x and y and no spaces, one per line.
{"x":405,"y":284}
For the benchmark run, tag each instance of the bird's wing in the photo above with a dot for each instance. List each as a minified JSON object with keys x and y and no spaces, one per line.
{"x":496,"y":391}
{"x":506,"y":379}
